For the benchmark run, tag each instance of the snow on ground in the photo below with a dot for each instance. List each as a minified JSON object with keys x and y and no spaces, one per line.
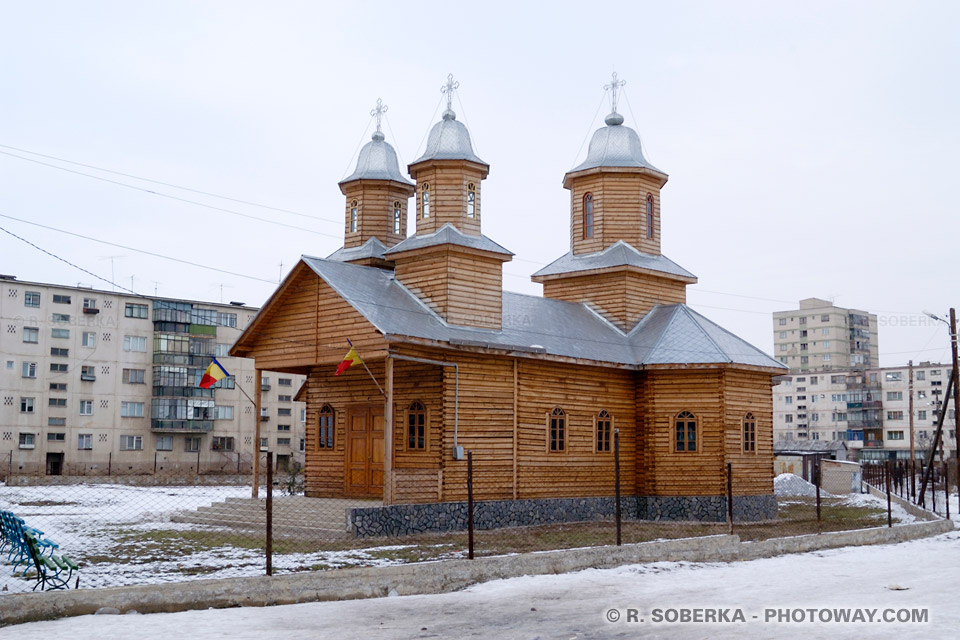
{"x":788,"y":484}
{"x":872,"y":580}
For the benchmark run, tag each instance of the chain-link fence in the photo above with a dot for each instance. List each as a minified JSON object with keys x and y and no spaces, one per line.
{"x":170,"y":526}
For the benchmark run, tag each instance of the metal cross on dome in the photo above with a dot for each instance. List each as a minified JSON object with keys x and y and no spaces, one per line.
{"x":378,"y":113}
{"x":612,"y":87}
{"x":451,"y":86}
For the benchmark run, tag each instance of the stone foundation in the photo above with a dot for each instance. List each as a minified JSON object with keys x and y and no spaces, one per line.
{"x":405,"y":519}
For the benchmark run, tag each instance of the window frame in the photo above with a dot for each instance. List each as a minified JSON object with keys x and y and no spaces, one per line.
{"x":31,"y":298}
{"x":650,"y":210}
{"x":589,"y":219}
{"x":425,"y":201}
{"x":687,"y":419}
{"x":326,"y":433}
{"x":416,"y":430}
{"x":354,"y":215}
{"x":84,"y":442}
{"x":556,"y":424}
{"x":749,"y":432}
{"x":397,"y":217}
{"x":31,"y":332}
{"x":603,"y":432}
{"x":471,"y":200}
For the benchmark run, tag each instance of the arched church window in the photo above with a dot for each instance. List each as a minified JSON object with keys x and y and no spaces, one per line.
{"x":685,"y":432}
{"x":604,"y":430}
{"x":396,"y":216}
{"x":325,"y":426}
{"x":354,"y":214}
{"x":558,"y":430}
{"x":749,"y":433}
{"x":471,"y":200}
{"x":588,"y":215}
{"x":416,"y":426}
{"x":650,"y":215}
{"x":425,"y":201}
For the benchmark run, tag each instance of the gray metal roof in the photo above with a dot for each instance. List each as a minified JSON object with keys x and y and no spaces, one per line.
{"x":377,"y":161}
{"x":449,"y":140}
{"x":372,"y":248}
{"x":615,"y":146}
{"x":672,"y":334}
{"x":808,"y":446}
{"x":449,"y":234}
{"x":618,"y":254}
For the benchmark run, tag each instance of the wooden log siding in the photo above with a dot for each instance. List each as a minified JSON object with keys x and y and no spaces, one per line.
{"x":464,"y":287}
{"x":743,"y":392}
{"x":448,"y":180}
{"x":620,"y":210}
{"x":623,"y":297}
{"x":375,"y":198}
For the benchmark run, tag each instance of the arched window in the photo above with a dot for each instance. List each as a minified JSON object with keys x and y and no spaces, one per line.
{"x":558,"y":430}
{"x":749,"y":433}
{"x":417,"y":426}
{"x":650,"y":215}
{"x":325,"y":428}
{"x":354,"y":214}
{"x":425,"y":200}
{"x":396,"y":216}
{"x":471,"y":200}
{"x":588,"y":216}
{"x":604,"y":432}
{"x":686,"y":432}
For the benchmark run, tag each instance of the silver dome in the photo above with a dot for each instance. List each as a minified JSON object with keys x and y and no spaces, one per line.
{"x":449,"y":140}
{"x":615,"y":146}
{"x":377,"y":161}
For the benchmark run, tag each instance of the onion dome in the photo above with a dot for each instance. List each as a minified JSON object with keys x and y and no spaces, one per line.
{"x":377,"y":161}
{"x":449,"y":140}
{"x":615,"y":146}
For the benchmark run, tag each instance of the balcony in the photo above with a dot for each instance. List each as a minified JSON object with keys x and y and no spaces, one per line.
{"x":873,"y":444}
{"x":264,"y":418}
{"x":88,"y":377}
{"x":181,"y":426}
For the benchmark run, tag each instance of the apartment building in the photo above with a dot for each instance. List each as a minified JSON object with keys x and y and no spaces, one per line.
{"x":873,"y":410}
{"x":96,"y":382}
{"x":820,"y":336}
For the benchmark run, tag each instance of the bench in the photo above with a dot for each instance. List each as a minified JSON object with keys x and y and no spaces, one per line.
{"x":53,"y":572}
{"x":27,"y":547}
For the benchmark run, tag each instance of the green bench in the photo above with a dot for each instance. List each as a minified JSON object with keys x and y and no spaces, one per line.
{"x":53,"y":572}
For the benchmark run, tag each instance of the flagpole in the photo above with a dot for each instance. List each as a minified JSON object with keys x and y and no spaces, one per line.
{"x":368,"y":371}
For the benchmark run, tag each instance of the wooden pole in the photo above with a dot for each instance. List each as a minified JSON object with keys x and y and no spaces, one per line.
{"x":257,"y":402}
{"x":817,"y":484}
{"x":730,"y":496}
{"x":889,"y":511}
{"x":956,"y":393}
{"x":910,"y":391}
{"x":470,"y":505}
{"x":388,"y":435}
{"x":616,"y":473}
{"x":269,"y":527}
{"x":937,"y":435}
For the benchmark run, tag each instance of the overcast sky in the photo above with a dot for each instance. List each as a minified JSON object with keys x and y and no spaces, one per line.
{"x":810,"y":146}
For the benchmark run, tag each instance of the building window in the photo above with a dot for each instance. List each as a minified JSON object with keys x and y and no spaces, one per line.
{"x":31,"y":335}
{"x":588,"y":216}
{"x":749,"y":433}
{"x":894,"y":415}
{"x":134,"y":310}
{"x":921,"y":375}
{"x":59,"y":352}
{"x":56,"y":437}
{"x":191,"y":444}
{"x":164,"y":443}
{"x":284,"y":398}
{"x":416,"y":426}
{"x":135,"y":343}
{"x":894,"y":395}
{"x":131,"y":409}
{"x":471,"y":200}
{"x":221,"y":443}
{"x":88,"y":373}
{"x":425,"y":201}
{"x":86,"y":407}
{"x":61,"y":317}
{"x":223,"y":412}
{"x":28,"y":370}
{"x":325,"y":428}
{"x":284,"y":412}
{"x":604,"y":432}
{"x":893,"y":376}
{"x":89,"y":303}
{"x":558,"y":430}
{"x":285,"y":382}
{"x":58,"y":386}
{"x":782,"y":322}
{"x":57,"y":367}
{"x":60,"y":333}
{"x":56,"y":402}
{"x":685,"y":430}
{"x":921,"y":415}
{"x":61,"y":299}
{"x":31,"y":298}
{"x":85,"y":441}
{"x":283,"y":442}
{"x":396,"y":216}
{"x":134,"y":376}
{"x":131,"y":443}
{"x":264,"y":444}
{"x":354,"y":215}
{"x":27,"y":440}
{"x":283,"y":427}
{"x":56,"y":422}
{"x":650,"y":215}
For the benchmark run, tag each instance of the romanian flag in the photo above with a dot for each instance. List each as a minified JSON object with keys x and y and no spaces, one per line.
{"x":214,"y":374}
{"x":348,"y":361}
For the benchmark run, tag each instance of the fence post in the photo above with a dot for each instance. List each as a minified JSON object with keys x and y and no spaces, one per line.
{"x":110,"y":464}
{"x":470,"y":505}
{"x":730,"y":497}
{"x":155,"y":455}
{"x":946,"y":486}
{"x":816,"y":478}
{"x":616,"y":473}
{"x":889,"y":511}
{"x":269,"y":513}
{"x":913,"y":480}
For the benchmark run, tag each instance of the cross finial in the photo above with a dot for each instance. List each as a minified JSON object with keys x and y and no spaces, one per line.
{"x":378,"y":113}
{"x":448,"y":88}
{"x":612,"y":87}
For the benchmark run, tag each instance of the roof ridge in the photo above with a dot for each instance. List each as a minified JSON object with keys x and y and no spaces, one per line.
{"x":663,"y":333}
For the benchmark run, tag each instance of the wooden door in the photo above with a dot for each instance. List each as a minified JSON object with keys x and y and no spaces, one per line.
{"x":364,"y":468}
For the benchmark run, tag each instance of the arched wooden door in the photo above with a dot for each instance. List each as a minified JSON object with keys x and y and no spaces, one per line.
{"x":364,"y":467}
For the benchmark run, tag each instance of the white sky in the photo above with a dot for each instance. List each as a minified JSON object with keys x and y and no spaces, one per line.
{"x":810,"y":146}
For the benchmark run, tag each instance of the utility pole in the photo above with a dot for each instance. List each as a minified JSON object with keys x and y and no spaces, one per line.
{"x":956,"y":396}
{"x":910,"y":390}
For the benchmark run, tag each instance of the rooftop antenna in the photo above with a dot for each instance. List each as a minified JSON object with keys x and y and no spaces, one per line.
{"x":156,"y":285}
{"x":113,"y":282}
{"x":613,"y":87}
{"x":280,"y":279}
{"x":222,"y":285}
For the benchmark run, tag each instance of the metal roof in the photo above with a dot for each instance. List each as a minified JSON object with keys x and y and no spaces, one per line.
{"x":615,"y":146}
{"x":377,"y":161}
{"x":618,"y":254}
{"x":449,"y":140}
{"x":672,"y":334}
{"x":449,"y":234}
{"x":372,"y":248}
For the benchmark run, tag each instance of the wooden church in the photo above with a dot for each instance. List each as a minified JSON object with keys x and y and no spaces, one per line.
{"x":534,"y":386}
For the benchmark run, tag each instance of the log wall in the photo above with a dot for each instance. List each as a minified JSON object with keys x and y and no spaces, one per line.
{"x":619,"y":211}
{"x":375,"y":199}
{"x":448,"y":182}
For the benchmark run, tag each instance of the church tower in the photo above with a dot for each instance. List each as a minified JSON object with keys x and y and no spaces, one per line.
{"x":449,"y":263}
{"x":376,"y":194}
{"x":615,"y":264}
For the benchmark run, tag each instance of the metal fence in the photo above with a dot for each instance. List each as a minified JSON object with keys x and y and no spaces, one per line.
{"x":168,"y":527}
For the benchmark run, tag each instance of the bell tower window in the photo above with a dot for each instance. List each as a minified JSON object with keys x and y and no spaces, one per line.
{"x":354,"y":214}
{"x":650,"y":215}
{"x":588,"y":216}
{"x":396,"y":216}
{"x":471,"y":200}
{"x":425,"y":201}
